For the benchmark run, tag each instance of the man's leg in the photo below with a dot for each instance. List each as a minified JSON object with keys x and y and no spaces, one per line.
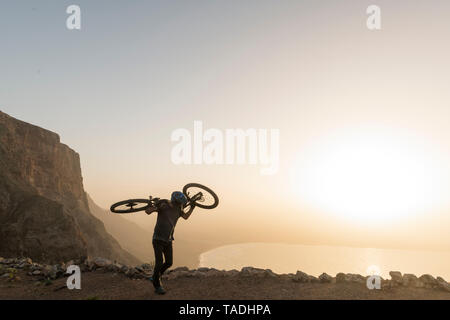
{"x":168,"y":257}
{"x":158,"y":263}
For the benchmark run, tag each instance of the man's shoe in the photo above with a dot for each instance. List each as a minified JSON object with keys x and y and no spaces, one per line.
{"x":151,"y":280}
{"x":160,"y":290}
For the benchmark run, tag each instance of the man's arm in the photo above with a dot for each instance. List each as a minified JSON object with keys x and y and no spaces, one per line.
{"x":186,"y":215}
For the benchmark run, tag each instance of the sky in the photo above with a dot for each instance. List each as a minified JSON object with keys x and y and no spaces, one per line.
{"x":362,"y":115}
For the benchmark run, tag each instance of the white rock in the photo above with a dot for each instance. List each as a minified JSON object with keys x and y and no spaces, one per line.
{"x":101,"y":262}
{"x":442,"y":284}
{"x":396,"y":277}
{"x":301,"y":277}
{"x":410,"y":280}
{"x":428,"y":280}
{"x":325,"y":278}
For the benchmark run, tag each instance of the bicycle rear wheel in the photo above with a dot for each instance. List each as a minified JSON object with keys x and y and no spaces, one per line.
{"x":208,"y":200}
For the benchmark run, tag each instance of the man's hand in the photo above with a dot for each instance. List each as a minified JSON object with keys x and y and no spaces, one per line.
{"x":186,"y":215}
{"x":150,"y":210}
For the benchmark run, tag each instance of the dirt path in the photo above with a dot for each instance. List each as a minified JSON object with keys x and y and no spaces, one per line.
{"x":107,"y":285}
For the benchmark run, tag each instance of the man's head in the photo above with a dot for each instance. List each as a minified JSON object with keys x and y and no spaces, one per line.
{"x":178,"y":198}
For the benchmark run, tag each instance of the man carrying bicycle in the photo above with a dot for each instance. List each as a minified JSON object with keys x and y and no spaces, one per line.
{"x":168,"y":214}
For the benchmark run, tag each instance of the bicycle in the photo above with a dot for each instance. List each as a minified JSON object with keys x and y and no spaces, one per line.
{"x":198,"y":199}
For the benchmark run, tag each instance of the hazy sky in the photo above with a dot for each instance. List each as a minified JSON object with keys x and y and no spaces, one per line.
{"x":363,"y":115}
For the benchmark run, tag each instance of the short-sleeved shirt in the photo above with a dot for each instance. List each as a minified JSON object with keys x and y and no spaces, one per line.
{"x":166,"y":221}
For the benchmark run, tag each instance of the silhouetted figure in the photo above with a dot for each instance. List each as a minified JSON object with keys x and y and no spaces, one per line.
{"x":168,"y":214}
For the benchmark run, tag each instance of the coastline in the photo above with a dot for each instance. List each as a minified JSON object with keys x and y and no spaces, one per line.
{"x":316,"y":259}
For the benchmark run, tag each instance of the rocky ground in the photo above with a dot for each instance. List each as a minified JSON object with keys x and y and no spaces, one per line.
{"x":104,"y":279}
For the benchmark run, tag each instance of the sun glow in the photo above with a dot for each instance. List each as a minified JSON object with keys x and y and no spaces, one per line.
{"x":369,"y":176}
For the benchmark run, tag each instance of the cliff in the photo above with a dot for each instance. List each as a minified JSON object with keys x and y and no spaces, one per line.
{"x":44,"y":212}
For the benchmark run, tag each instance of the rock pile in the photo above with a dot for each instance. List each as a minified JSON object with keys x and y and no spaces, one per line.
{"x":424,"y":281}
{"x":10,"y":267}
